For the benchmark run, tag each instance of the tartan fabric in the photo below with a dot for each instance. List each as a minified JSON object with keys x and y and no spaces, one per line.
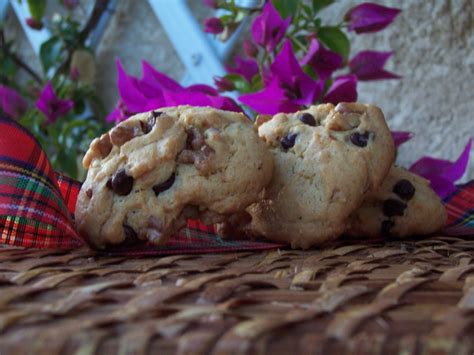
{"x":37,"y":206}
{"x":32,"y":211}
{"x":460,"y":207}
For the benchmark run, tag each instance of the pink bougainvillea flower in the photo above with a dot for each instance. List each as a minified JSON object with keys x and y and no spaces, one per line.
{"x":34,"y":24}
{"x":287,"y":86}
{"x":250,"y":49}
{"x":368,"y":65}
{"x":213,"y":25}
{"x":223,"y":84}
{"x":155,"y":90}
{"x":323,"y":61}
{"x":268,"y":29}
{"x":52,"y":106}
{"x":370,"y":17}
{"x":343,"y":89}
{"x":248,"y":68}
{"x":443,"y":173}
{"x":11,"y":102}
{"x":400,"y":137}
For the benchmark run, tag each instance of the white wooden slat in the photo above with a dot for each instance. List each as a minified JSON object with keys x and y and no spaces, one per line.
{"x":200,"y":58}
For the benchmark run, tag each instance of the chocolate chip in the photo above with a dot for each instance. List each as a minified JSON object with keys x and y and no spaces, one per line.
{"x":308,"y":119}
{"x":360,"y":139}
{"x":121,"y":183}
{"x":131,"y":237}
{"x":151,"y":121}
{"x":393,"y":207}
{"x":404,"y":189}
{"x":288,"y":141}
{"x":164,"y":185}
{"x":386,"y":227}
{"x":89,"y":193}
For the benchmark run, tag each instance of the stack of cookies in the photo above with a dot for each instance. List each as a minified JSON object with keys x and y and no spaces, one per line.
{"x":302,"y":178}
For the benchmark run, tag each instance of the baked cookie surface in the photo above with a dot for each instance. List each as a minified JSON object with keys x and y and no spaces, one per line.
{"x":327,"y":159}
{"x":152,"y":172}
{"x":404,"y":205}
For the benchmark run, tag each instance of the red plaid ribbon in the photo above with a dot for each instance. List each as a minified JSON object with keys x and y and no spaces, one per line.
{"x":37,"y":205}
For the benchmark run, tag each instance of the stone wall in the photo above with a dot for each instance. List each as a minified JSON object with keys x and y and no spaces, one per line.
{"x":433,"y":42}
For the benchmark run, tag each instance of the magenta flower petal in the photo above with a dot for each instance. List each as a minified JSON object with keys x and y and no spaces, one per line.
{"x":271,"y":100}
{"x":343,"y":89}
{"x":202,"y":88}
{"x":443,"y":187}
{"x":443,"y":173}
{"x":287,"y":87}
{"x":156,"y":79}
{"x":230,"y":105}
{"x":323,"y":61}
{"x":300,"y":88}
{"x":458,"y":168}
{"x":368,"y":65}
{"x":248,"y":68}
{"x":286,"y":66}
{"x":370,"y":17}
{"x":115,"y":116}
{"x":213,"y":25}
{"x":11,"y":102}
{"x":400,"y":137}
{"x":52,"y":106}
{"x":156,"y":90}
{"x":269,"y":28}
{"x":132,"y":94}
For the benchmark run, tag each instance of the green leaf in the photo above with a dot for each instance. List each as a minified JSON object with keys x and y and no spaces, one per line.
{"x":317,"y":23}
{"x":286,"y":8}
{"x":308,"y":69}
{"x":79,"y":106}
{"x":37,"y":8}
{"x":240,"y":83}
{"x":7,"y":66}
{"x":307,"y":11}
{"x":50,"y":53}
{"x":320,"y":4}
{"x":256,"y":83}
{"x":335,"y":40}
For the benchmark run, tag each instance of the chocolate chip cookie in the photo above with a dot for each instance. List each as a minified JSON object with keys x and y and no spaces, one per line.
{"x":152,"y":172}
{"x":404,"y":205}
{"x":327,"y":159}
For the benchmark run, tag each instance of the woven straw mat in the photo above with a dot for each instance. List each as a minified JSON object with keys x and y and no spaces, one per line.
{"x":404,"y":297}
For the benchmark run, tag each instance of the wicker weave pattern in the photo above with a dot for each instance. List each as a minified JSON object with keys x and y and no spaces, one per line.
{"x":412,"y":297}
